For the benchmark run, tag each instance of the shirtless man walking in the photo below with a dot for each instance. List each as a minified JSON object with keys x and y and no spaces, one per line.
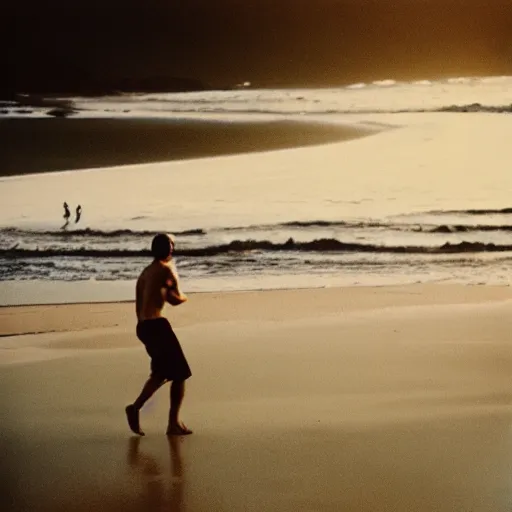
{"x":158,"y":284}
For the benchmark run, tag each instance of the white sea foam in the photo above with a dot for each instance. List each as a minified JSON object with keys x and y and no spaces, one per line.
{"x":383,"y":96}
{"x":360,"y":85}
{"x":384,"y":83}
{"x":378,"y":97}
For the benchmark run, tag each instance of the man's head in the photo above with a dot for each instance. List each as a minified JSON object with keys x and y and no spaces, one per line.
{"x":162,"y":247}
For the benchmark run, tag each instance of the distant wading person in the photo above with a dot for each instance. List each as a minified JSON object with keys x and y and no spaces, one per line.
{"x":158,"y":284}
{"x":66,"y":215}
{"x":78,"y":214}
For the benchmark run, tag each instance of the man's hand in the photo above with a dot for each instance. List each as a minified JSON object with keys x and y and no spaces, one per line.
{"x":175,"y":298}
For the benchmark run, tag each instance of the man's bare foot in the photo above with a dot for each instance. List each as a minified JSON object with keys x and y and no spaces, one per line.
{"x":132,"y":415}
{"x":178,"y":430}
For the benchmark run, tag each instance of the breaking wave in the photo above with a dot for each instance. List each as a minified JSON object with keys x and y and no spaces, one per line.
{"x":485,"y":211}
{"x":424,"y":224}
{"x":96,"y":233}
{"x":388,"y":96}
{"x":244,"y":246}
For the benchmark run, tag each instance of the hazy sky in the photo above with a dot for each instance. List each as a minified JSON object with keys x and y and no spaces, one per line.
{"x":267,"y":42}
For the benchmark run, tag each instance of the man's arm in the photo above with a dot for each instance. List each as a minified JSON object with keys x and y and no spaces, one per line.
{"x":174,"y":296}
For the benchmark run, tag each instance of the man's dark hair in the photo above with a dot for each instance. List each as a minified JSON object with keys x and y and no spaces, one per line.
{"x":161,"y":246}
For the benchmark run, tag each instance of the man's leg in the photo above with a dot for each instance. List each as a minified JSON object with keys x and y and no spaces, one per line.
{"x":132,"y":411}
{"x":176,"y":427}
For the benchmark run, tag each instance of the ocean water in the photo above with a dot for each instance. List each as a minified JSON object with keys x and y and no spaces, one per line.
{"x":424,"y":196}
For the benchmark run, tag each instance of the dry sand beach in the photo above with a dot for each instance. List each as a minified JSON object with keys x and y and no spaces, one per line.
{"x":361,"y":399}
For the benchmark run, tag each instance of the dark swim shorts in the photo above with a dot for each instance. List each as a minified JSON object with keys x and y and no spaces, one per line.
{"x":164,"y":349}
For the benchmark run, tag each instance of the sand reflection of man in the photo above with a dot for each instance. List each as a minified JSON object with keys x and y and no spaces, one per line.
{"x":160,"y":493}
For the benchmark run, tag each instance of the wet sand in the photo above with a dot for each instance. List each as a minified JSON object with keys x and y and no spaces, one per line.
{"x":43,"y":145}
{"x":389,"y":399}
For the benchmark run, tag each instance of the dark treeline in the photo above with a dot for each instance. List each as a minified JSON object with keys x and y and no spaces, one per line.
{"x":94,"y":46}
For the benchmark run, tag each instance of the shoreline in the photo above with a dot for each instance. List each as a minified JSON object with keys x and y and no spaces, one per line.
{"x":46,"y":145}
{"x":16,"y":319}
{"x":22,"y":294}
{"x":259,"y":290}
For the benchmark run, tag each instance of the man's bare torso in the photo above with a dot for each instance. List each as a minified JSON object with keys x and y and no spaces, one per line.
{"x":155,"y":283}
